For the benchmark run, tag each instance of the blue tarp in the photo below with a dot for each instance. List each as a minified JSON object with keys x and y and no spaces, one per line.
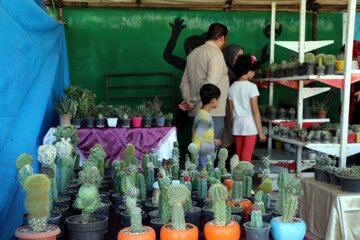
{"x":33,"y":72}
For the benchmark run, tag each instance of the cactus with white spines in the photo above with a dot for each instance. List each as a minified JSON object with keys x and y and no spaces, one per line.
{"x":177,"y":197}
{"x":88,"y":201}
{"x":282,"y":182}
{"x":135,"y":212}
{"x":217,"y":195}
{"x":294,"y":191}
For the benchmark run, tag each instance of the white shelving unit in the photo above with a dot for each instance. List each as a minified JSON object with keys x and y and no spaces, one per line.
{"x":343,"y":149}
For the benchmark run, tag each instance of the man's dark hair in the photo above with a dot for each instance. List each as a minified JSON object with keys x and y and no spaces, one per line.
{"x":216,"y":31}
{"x":208,"y":92}
{"x":243,"y":64}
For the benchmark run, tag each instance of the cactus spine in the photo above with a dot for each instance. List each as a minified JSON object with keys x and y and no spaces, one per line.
{"x":236,"y":191}
{"x":259,"y":200}
{"x":149,"y":175}
{"x":140,"y":184}
{"x":37,"y":189}
{"x":188,"y":203}
{"x":293,"y":191}
{"x":282,"y":181}
{"x":218,"y":195}
{"x":23,"y":164}
{"x":130,"y":157}
{"x":177,"y":197}
{"x":256,"y":217}
{"x":164,"y":207}
{"x":153,"y":158}
{"x":209,"y":166}
{"x":222,"y":156}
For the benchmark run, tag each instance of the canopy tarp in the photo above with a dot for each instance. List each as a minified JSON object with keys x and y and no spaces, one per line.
{"x":33,"y":73}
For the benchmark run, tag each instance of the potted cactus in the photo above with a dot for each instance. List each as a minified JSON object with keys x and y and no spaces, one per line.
{"x":136,"y":115}
{"x":111,"y":115}
{"x":136,"y":231}
{"x":222,"y":227}
{"x":349,"y":179}
{"x":282,"y":182}
{"x":309,"y":63}
{"x":323,"y":163}
{"x":287,"y":225}
{"x":256,"y":228}
{"x":330,"y":61}
{"x":168,"y":119}
{"x":320,"y":69}
{"x":259,"y":200}
{"x":178,"y":229}
{"x":202,"y":191}
{"x":37,"y":188}
{"x":66,"y":108}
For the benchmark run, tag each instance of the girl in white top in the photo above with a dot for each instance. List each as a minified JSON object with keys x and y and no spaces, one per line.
{"x":244,"y":111}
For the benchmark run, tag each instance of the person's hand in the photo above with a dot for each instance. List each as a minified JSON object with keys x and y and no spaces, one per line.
{"x":217,"y":142}
{"x":357,"y":96}
{"x":185,"y":106}
{"x":262,"y":137}
{"x":177,"y":26}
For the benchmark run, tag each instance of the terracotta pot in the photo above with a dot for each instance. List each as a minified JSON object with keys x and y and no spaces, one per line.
{"x":65,"y":120}
{"x":147,"y":234}
{"x":191,"y":233}
{"x":322,"y":114}
{"x":245,"y":204}
{"x":37,"y":235}
{"x":229,"y":232}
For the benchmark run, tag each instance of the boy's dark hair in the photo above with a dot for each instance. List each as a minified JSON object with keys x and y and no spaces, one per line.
{"x":243,"y":64}
{"x":208,"y":92}
{"x":216,"y":31}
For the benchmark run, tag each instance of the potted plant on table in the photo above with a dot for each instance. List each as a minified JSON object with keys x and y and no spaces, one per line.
{"x":111,"y":115}
{"x":100,"y":110}
{"x":136,"y":231}
{"x":323,"y":163}
{"x":309,"y":63}
{"x":66,"y":108}
{"x":330,"y":61}
{"x":350,"y":179}
{"x":168,"y":119}
{"x":136,"y":115}
{"x":158,"y":114}
{"x":178,"y":229}
{"x":222,"y":227}
{"x":37,"y":189}
{"x":256,"y":229}
{"x":288,"y":225}
{"x":123,"y":113}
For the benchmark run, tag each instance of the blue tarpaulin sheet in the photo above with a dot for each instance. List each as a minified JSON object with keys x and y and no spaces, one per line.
{"x":33,"y":73}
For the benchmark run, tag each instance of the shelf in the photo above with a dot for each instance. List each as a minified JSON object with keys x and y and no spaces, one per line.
{"x":328,"y":148}
{"x":307,"y":123}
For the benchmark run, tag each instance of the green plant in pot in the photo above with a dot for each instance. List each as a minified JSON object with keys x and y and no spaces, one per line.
{"x":168,"y":119}
{"x":66,"y":108}
{"x":222,"y":227}
{"x":330,"y":61}
{"x":282,"y":182}
{"x":64,"y":164}
{"x":158,"y":114}
{"x":322,"y":106}
{"x":111,"y":113}
{"x":86,"y":107}
{"x":37,"y":188}
{"x":323,"y":163}
{"x":256,"y":228}
{"x":287,"y":225}
{"x":320,"y":69}
{"x":176,"y":161}
{"x":178,"y":229}
{"x":136,"y":229}
{"x":100,"y":111}
{"x":309,"y":63}
{"x":350,"y":179}
{"x":123,"y":114}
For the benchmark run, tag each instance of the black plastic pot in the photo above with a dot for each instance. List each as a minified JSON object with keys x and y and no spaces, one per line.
{"x":104,"y":209}
{"x":62,"y":199}
{"x":334,"y":179}
{"x":330,"y":69}
{"x":309,"y":68}
{"x":104,"y":195}
{"x":193,"y":216}
{"x":151,"y":207}
{"x":53,"y":219}
{"x":156,"y":224}
{"x":349,"y":184}
{"x":90,"y":122}
{"x":94,"y":230}
{"x":100,"y":123}
{"x":116,"y":200}
{"x":321,"y":174}
{"x":257,"y":233}
{"x":125,"y":219}
{"x":200,"y":202}
{"x":146,"y":122}
{"x":168,"y":122}
{"x":275,"y":213}
{"x":208,"y":214}
{"x":320,"y":71}
{"x":76,"y":122}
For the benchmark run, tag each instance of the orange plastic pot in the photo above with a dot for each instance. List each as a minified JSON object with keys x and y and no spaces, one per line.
{"x":147,"y":234}
{"x":167,"y":233}
{"x":245,"y":204}
{"x":229,"y":232}
{"x":37,"y":235}
{"x":228,"y":183}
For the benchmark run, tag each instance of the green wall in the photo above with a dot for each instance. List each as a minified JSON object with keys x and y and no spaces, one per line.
{"x":120,"y":40}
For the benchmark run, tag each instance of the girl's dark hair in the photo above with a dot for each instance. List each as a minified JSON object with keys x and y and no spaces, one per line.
{"x":208,"y":92}
{"x":244,"y":64}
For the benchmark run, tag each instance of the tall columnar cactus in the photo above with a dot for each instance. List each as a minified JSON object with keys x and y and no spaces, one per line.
{"x":64,"y":163}
{"x":176,"y":160}
{"x":37,"y":189}
{"x":245,"y":171}
{"x":149,"y":176}
{"x":202,"y":188}
{"x":256,"y":217}
{"x":234,"y":161}
{"x":88,"y":200}
{"x":237,"y":191}
{"x":194,"y":153}
{"x":154,"y":158}
{"x":210,"y":165}
{"x":164,"y":206}
{"x":129,"y":156}
{"x":188,"y":184}
{"x":128,"y":179}
{"x":140,"y":184}
{"x":217,"y":195}
{"x":177,"y":196}
{"x":145,"y":161}
{"x":294,"y":191}
{"x":135,"y":212}
{"x":23,"y":165}
{"x":53,"y":192}
{"x":259,"y":200}
{"x":217,"y":173}
{"x":222,"y":156}
{"x":282,"y":182}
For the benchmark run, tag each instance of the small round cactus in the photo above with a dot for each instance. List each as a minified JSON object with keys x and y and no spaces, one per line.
{"x":178,"y":194}
{"x":23,"y":160}
{"x":46,"y":154}
{"x":88,"y":201}
{"x":218,"y":192}
{"x":223,"y":154}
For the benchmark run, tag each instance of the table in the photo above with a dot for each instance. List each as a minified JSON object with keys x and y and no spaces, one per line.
{"x":330,"y":213}
{"x":114,"y":140}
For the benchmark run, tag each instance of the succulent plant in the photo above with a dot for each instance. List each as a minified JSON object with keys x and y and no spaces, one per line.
{"x":148,"y":168}
{"x":64,"y":148}
{"x":37,"y":189}
{"x":128,"y":178}
{"x":202,"y":186}
{"x":23,"y":164}
{"x":140,"y":184}
{"x":259,"y":199}
{"x":67,"y":132}
{"x":222,"y":156}
{"x":46,"y":154}
{"x":176,"y":158}
{"x":237,"y":191}
{"x":135,"y":212}
{"x":353,"y":172}
{"x":193,"y":150}
{"x":282,"y":182}
{"x":164,"y":205}
{"x":244,"y":172}
{"x":90,"y":174}
{"x":177,"y":196}
{"x":88,"y":200}
{"x":129,"y":156}
{"x":218,"y":195}
{"x":330,"y":59}
{"x":97,"y":157}
{"x":210,"y":166}
{"x":234,"y":161}
{"x":256,"y":216}
{"x":309,"y":58}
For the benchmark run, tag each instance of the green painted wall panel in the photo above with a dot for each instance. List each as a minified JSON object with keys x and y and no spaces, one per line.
{"x":119,"y":40}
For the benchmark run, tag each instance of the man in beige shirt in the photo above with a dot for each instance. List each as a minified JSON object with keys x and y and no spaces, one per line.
{"x":206,"y":64}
